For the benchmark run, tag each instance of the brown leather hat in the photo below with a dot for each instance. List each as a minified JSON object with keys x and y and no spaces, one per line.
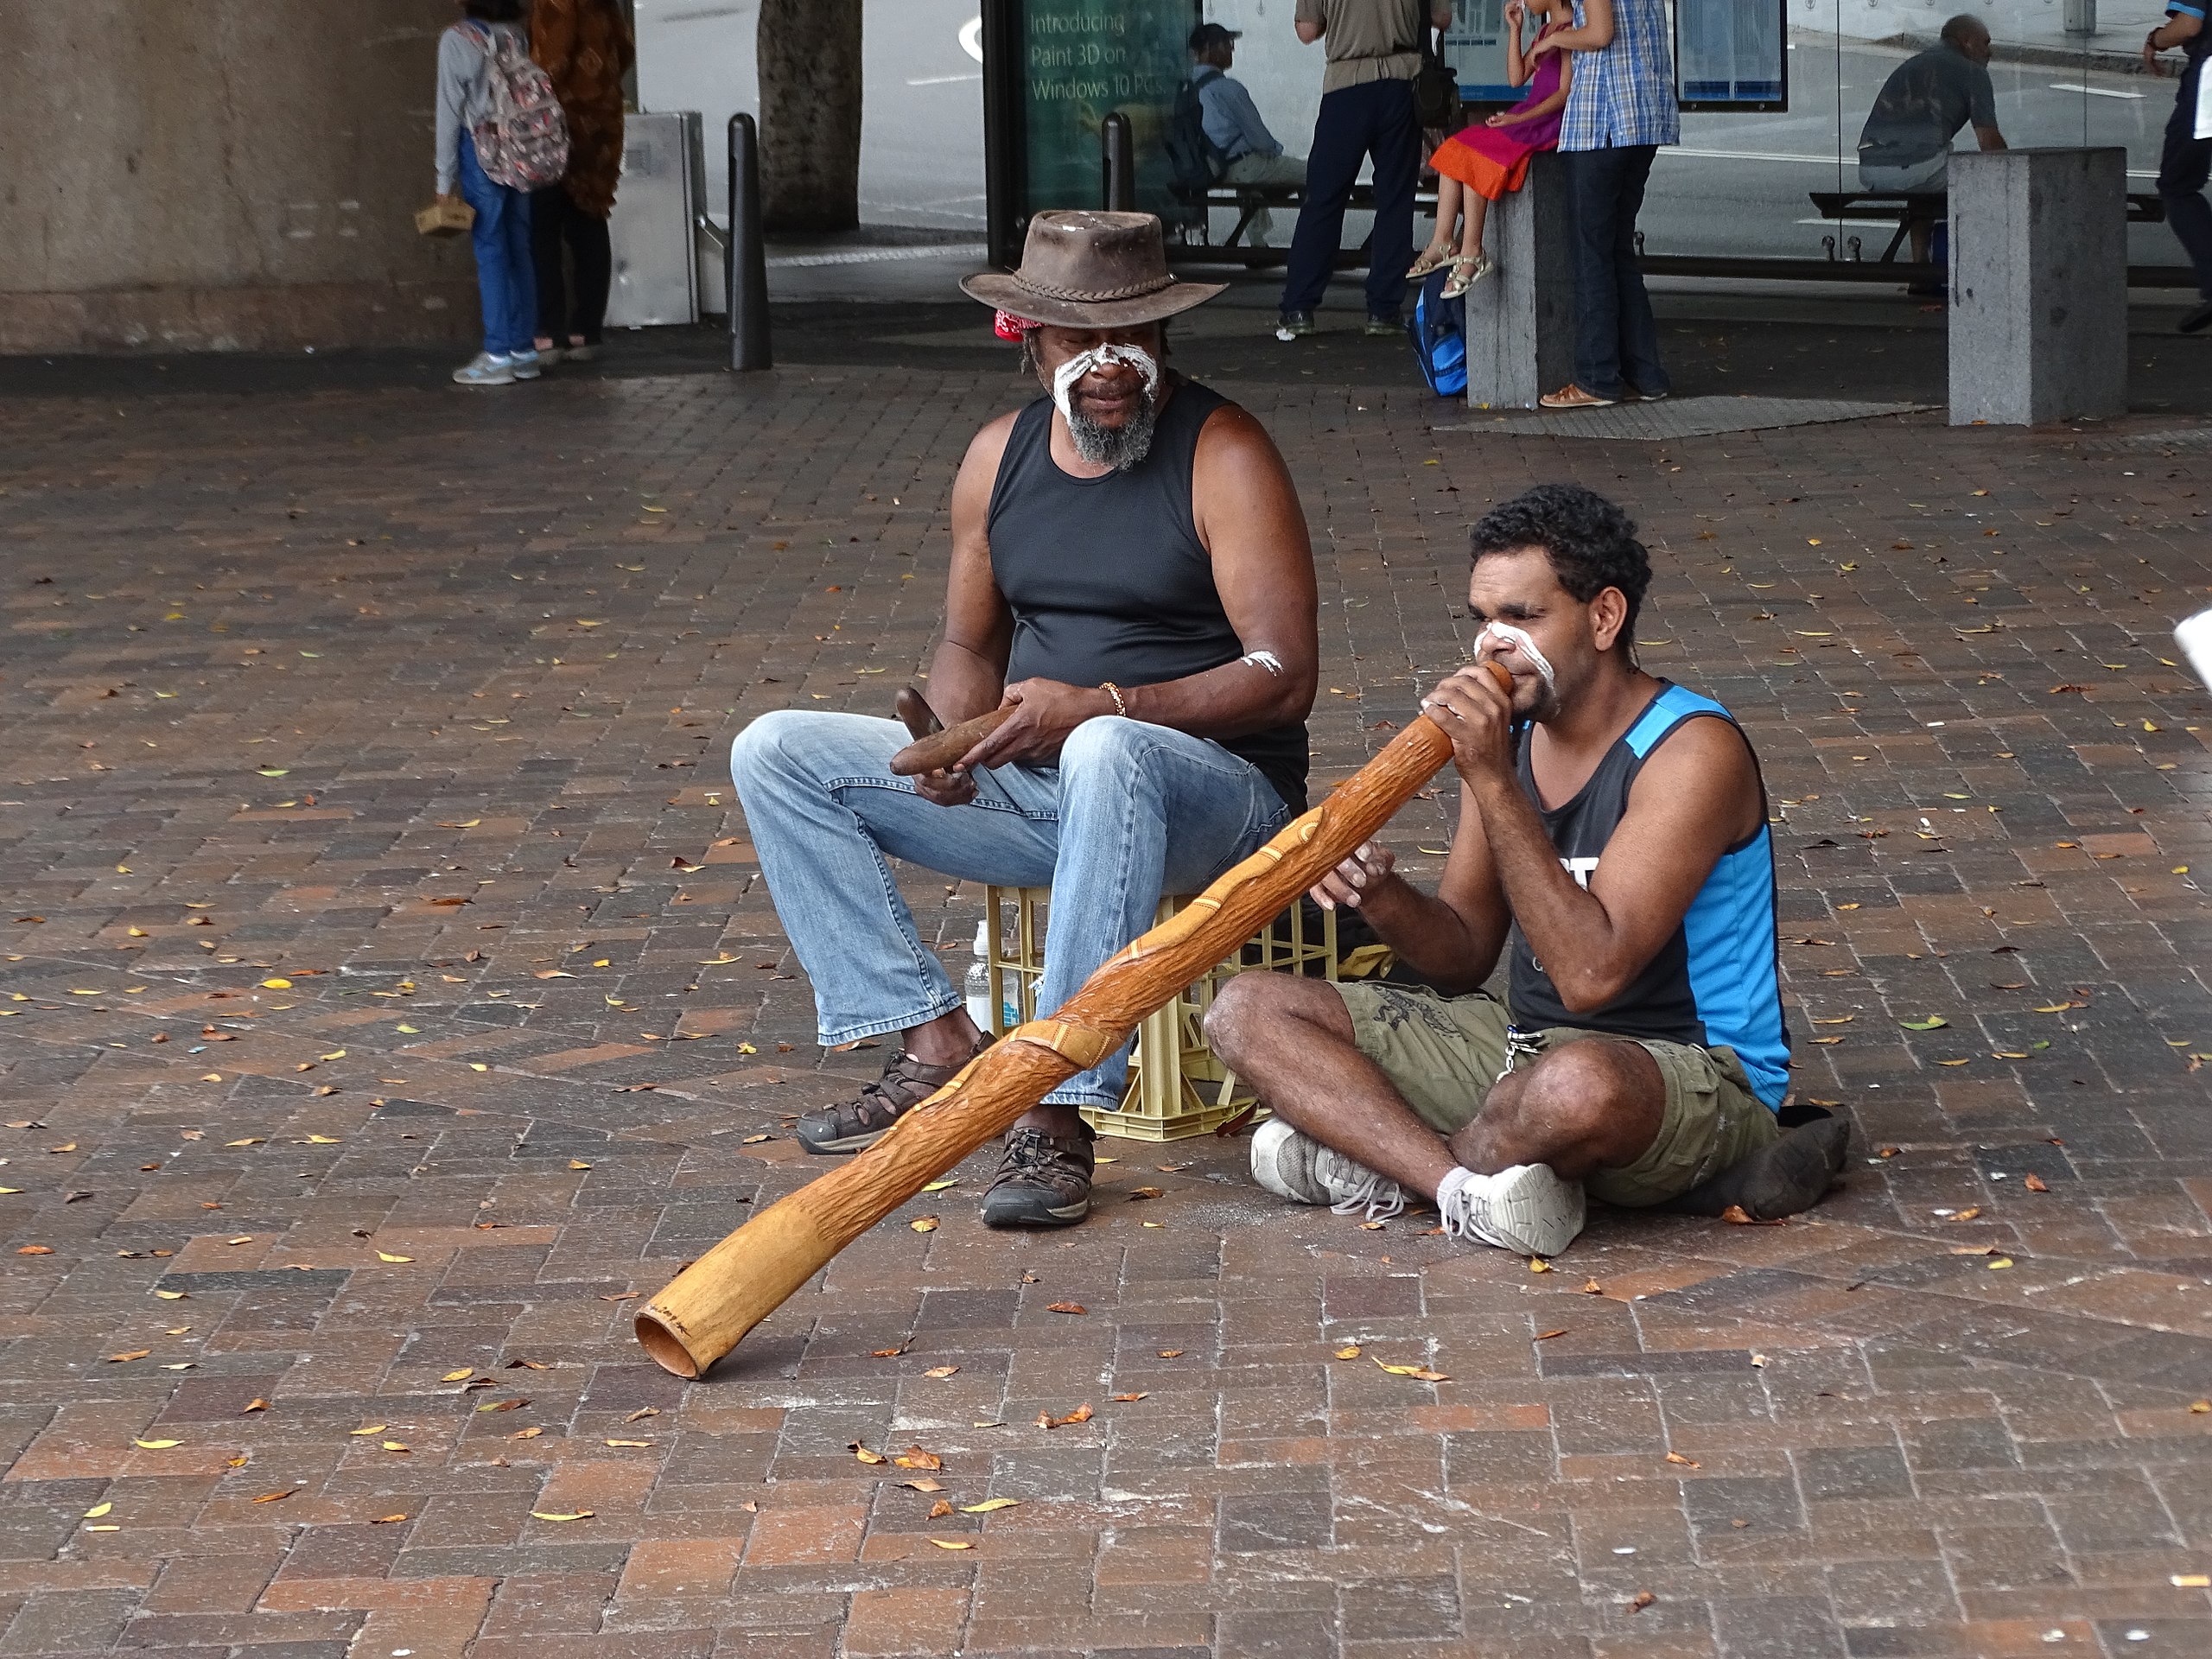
{"x":1085,"y":269}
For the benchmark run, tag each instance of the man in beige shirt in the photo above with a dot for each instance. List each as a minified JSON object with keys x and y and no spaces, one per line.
{"x":1374,"y":49}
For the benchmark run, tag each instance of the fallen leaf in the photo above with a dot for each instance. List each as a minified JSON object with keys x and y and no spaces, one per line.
{"x":1082,"y":1414}
{"x":864,"y":1454}
{"x":1691,"y":1463}
{"x":387,"y":1519}
{"x":573,"y":1515}
{"x":1967,"y":1214}
{"x":155,"y":1445}
{"x":1139,"y":1193}
{"x":991,"y":1506}
{"x":1933,"y":1022}
{"x":1537,"y":1264}
{"x":515,"y":1402}
{"x":2035,"y":1184}
{"x":1066,"y":1307}
{"x":2189,"y":1580}
{"x":1997,"y":1262}
{"x":939,"y":1186}
{"x":952,"y":1543}
{"x":940,"y":1371}
{"x":1591,"y":1287}
{"x":274,"y":1498}
{"x":923,"y":1224}
{"x":34,"y":1249}
{"x":924,"y":1485}
{"x":2200,"y":1407}
{"x":884,"y":1353}
{"x":1546,"y":1336}
{"x":135,"y":1353}
{"x":172,"y":1295}
{"x":373,"y":1429}
{"x":939,"y":1510}
{"x":255,"y":1404}
{"x":1351,"y":1352}
{"x":578,"y":1163}
{"x":629,"y":1442}
{"x":1171,"y":1353}
{"x":642,"y":1412}
{"x":914,"y":1457}
{"x":1737,"y":1216}
{"x":1642,"y":1600}
{"x":530,"y":1433}
{"x":386,"y":1255}
{"x":98,"y":1510}
{"x":460,"y":1375}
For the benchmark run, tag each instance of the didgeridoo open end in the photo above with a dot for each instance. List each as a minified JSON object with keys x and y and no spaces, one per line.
{"x":945,"y":748}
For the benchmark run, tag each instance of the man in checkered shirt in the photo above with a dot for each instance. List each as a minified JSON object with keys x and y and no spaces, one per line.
{"x":1619,"y":109}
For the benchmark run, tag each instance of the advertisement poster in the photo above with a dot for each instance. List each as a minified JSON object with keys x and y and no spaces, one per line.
{"x":1081,"y":62}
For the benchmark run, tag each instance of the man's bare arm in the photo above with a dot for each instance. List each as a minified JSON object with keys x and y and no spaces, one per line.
{"x":1451,"y":937}
{"x":966,"y":674}
{"x":2178,"y":27}
{"x":1697,"y":797}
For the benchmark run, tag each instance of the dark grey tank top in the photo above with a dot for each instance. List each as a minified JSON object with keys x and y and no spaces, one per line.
{"x":1107,"y":580}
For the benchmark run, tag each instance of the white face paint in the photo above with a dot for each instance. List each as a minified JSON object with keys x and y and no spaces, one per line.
{"x":1098,"y":357}
{"x":1507,"y":636}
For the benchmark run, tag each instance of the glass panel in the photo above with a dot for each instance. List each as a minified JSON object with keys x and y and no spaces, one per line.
{"x":1083,"y":59}
{"x":1475,"y":47}
{"x":1728,"y":54}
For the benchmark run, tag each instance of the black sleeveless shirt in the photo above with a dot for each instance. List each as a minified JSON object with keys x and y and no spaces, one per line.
{"x":1107,"y":577}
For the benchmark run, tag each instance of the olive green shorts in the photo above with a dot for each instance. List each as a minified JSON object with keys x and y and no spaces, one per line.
{"x":1443,"y":1052}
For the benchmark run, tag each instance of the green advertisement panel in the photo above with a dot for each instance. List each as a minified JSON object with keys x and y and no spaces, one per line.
{"x":1082,"y":61}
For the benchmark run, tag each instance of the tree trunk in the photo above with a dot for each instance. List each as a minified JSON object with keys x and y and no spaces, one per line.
{"x":808,"y":53}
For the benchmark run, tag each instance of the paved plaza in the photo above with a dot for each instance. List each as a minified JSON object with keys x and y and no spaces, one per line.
{"x":392,"y":1000}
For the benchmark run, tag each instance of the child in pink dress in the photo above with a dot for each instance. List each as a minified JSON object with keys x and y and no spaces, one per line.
{"x":1479,"y":164}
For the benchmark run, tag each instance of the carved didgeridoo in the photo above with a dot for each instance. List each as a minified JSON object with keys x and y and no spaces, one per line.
{"x":706,"y":1310}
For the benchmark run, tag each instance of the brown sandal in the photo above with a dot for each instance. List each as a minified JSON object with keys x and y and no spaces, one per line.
{"x":855,"y":1125}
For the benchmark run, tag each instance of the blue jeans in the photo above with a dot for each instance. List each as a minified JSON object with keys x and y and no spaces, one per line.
{"x":1356,"y":122}
{"x":1615,"y":337}
{"x":503,"y":274}
{"x":1131,"y":811}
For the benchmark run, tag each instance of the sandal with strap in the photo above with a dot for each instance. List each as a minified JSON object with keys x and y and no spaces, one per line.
{"x":855,"y":1125}
{"x":1427,"y":260}
{"x":1466,"y":271}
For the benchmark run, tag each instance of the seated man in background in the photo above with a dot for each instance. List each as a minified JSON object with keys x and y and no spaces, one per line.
{"x":1906,"y":143}
{"x":1132,"y":578}
{"x":1250,"y":153}
{"x":1614,"y":836}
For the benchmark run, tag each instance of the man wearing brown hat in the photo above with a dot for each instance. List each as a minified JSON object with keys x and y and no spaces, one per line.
{"x":1132,"y":578}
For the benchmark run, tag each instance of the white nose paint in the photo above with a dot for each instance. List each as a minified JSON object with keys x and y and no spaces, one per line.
{"x":1098,"y":357}
{"x":1507,"y":636}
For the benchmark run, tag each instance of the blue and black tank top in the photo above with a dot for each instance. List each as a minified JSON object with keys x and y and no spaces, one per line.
{"x":1107,"y":577}
{"x":1717,"y":981}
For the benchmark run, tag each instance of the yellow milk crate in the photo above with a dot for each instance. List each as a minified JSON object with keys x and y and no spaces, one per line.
{"x":1176,"y":1086}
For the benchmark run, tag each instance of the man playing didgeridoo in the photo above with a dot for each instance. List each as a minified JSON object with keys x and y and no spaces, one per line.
{"x":1131,"y":577}
{"x":1613,"y":838}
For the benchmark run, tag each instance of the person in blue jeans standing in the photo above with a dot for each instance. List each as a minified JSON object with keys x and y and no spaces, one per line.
{"x":504,"y":277}
{"x":1367,"y":111}
{"x":2186,"y":162}
{"x":1620,"y":109}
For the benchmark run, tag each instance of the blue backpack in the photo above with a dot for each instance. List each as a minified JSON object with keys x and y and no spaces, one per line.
{"x":1437,"y":328}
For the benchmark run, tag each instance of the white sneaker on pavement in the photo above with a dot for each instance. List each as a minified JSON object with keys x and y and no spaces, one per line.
{"x":1526,"y":1209}
{"x":1298,"y":1167}
{"x":486,"y":370}
{"x":528,"y":365}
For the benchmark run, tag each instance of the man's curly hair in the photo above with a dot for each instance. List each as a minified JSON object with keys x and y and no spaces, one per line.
{"x":1591,"y":542}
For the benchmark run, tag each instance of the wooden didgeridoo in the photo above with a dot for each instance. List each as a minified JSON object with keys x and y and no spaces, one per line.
{"x":705,"y":1311}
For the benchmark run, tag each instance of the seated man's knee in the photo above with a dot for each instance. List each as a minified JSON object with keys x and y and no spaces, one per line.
{"x":1256,"y":1014}
{"x":761,"y":742}
{"x":1109,"y":742}
{"x":1580,"y":1090}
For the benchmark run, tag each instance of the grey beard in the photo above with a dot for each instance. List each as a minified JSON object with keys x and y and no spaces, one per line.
{"x":1123,"y":447}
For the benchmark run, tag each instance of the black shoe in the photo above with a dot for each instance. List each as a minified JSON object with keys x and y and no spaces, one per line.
{"x":1294,"y":325}
{"x":1784,"y":1178}
{"x":1382,"y":327}
{"x":2198,"y":320}
{"x":856,"y":1125}
{"x":1044,"y":1180}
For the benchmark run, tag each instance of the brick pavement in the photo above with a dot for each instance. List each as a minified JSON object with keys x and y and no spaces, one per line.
{"x":391,"y":995}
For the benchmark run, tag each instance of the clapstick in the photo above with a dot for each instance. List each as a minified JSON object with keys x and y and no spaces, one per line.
{"x":915,"y":714}
{"x":945,"y":748}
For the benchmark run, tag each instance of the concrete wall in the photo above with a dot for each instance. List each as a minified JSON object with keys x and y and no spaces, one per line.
{"x":226,"y":175}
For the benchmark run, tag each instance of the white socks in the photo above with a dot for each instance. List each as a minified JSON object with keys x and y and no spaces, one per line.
{"x":1459,"y":1177}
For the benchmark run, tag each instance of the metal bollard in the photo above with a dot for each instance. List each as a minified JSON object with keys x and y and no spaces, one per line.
{"x":745,"y":260}
{"x":1118,"y":158}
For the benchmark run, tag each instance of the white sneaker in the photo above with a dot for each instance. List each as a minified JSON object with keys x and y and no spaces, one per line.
{"x":1526,"y":1209}
{"x":1298,"y":1167}
{"x":486,"y":370}
{"x":528,"y":365}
